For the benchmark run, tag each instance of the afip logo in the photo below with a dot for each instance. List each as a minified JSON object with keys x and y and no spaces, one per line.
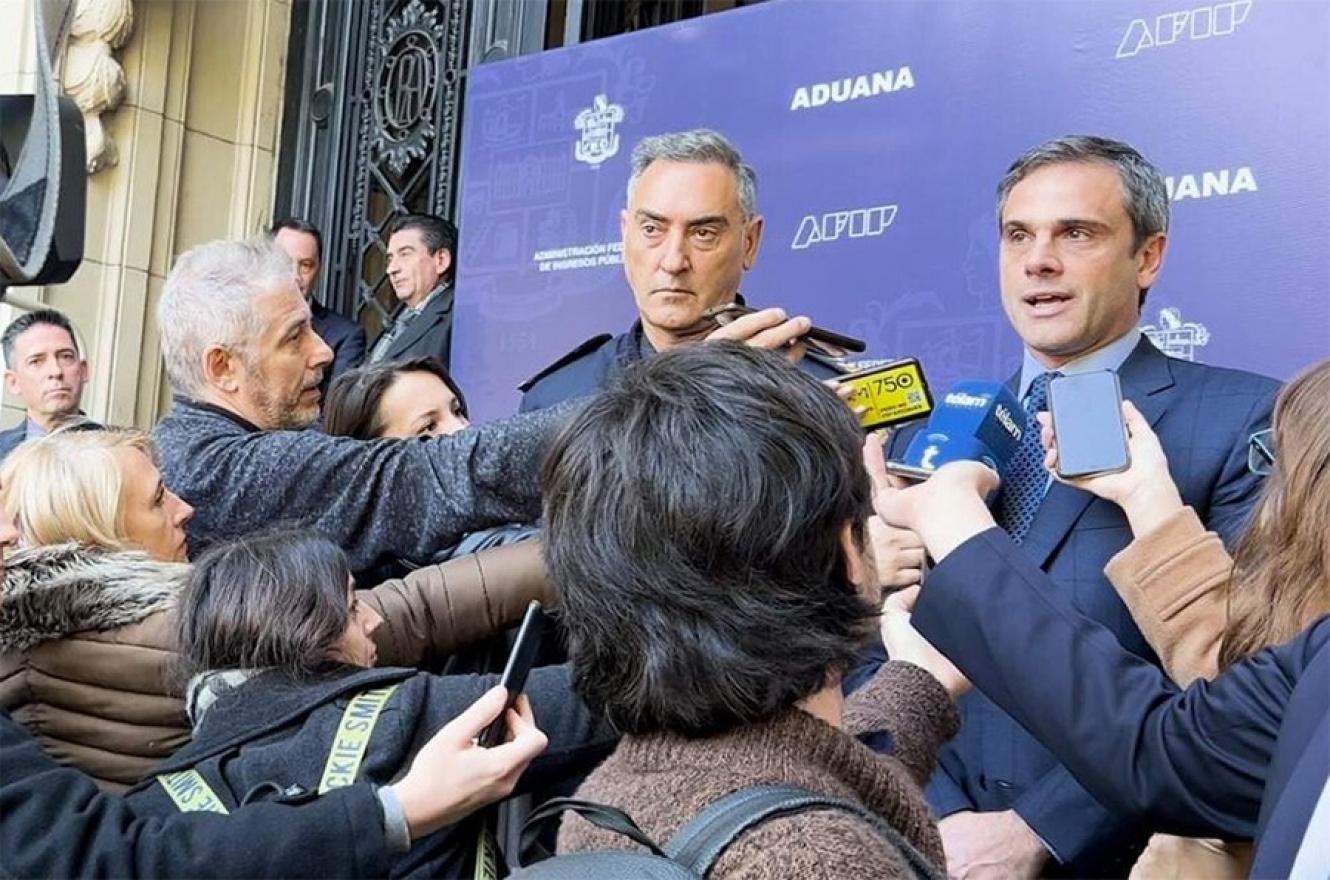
{"x":1201,"y":23}
{"x":597,"y":123}
{"x":858,"y":223}
{"x":1175,"y":337}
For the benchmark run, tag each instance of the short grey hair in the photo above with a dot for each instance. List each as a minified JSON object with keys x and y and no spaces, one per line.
{"x":1145,"y":195}
{"x":209,"y":300}
{"x":699,"y":145}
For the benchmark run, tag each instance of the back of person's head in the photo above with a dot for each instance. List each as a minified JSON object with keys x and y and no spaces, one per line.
{"x":67,"y":486}
{"x":354,"y":405}
{"x":436,"y":234}
{"x":275,"y":599}
{"x":694,"y":514}
{"x":208,"y":300}
{"x":25,"y":322}
{"x":1281,"y":572}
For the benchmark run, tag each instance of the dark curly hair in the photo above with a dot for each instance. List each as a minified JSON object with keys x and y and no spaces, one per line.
{"x":693,"y":520}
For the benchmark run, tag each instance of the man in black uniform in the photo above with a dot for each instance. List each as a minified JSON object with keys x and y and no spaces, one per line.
{"x":690,"y":231}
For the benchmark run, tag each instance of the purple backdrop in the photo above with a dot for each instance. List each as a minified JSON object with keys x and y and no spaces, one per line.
{"x":878,"y":131}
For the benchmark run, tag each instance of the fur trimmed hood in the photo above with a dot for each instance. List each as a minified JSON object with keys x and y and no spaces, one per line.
{"x":51,"y":592}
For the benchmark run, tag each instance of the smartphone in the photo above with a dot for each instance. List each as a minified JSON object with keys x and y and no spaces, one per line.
{"x":889,"y":394}
{"x":1087,"y":419}
{"x":908,"y":471}
{"x":515,"y":671}
{"x":727,"y":314}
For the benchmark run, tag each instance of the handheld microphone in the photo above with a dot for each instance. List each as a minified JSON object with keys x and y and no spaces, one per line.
{"x":975,"y":421}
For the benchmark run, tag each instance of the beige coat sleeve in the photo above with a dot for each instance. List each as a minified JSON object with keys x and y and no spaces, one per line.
{"x":1172,"y":579}
{"x":436,"y":610}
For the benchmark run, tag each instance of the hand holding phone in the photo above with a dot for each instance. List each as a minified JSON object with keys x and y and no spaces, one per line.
{"x":1144,"y":490}
{"x":731,"y":312}
{"x":515,"y":671}
{"x":1087,"y":419}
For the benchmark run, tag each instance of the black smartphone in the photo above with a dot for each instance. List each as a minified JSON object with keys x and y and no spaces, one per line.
{"x":515,"y":671}
{"x":1087,"y":419}
{"x":733,"y":311}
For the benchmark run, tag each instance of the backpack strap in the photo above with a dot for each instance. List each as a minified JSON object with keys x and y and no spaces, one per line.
{"x":600,"y":815}
{"x":700,"y":843}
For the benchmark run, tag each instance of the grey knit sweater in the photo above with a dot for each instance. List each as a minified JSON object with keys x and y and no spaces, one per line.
{"x":377,"y":498}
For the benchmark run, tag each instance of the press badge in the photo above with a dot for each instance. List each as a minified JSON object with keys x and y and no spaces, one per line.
{"x":889,"y":394}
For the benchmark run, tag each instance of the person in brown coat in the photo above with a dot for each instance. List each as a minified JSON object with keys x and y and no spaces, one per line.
{"x":87,"y":659}
{"x":705,"y":524}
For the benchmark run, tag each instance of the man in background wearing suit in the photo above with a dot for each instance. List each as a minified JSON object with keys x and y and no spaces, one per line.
{"x":303,"y":243}
{"x":422,"y":263}
{"x":1083,"y":223}
{"x":44,"y":368}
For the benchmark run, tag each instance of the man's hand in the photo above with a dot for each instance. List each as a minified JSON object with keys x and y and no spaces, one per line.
{"x":904,"y":643}
{"x":770,"y":329}
{"x":898,"y":553}
{"x":1145,"y":490}
{"x":944,"y":511}
{"x":990,"y":846}
{"x":452,"y":777}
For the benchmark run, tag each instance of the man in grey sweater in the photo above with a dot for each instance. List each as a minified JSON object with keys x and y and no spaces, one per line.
{"x":245,"y":367}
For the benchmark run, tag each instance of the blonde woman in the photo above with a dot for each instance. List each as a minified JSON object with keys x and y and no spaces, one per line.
{"x":85,"y":632}
{"x":87,"y":658}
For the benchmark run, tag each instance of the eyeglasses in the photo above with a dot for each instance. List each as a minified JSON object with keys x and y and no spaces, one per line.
{"x":1261,"y":452}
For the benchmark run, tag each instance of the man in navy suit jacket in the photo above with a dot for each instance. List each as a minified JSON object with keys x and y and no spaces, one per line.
{"x":303,"y":243}
{"x":1245,"y":756}
{"x":1083,"y":224}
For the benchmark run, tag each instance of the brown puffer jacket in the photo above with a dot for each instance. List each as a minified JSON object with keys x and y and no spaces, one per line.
{"x":87,"y":663}
{"x":85,"y":658}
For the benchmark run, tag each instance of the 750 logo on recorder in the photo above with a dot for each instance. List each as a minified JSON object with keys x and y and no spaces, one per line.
{"x":888,"y":394}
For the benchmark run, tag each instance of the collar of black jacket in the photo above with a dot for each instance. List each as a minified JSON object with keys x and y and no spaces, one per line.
{"x":230,"y":415}
{"x":270,"y":702}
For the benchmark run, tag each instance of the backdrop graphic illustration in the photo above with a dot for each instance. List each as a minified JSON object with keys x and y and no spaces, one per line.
{"x":879,"y":131}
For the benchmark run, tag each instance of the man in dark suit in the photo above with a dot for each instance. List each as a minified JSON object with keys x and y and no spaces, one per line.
{"x":422,"y":263}
{"x":1245,"y":756}
{"x":43,"y":367}
{"x":303,"y":243}
{"x":690,"y":230}
{"x":1083,"y":224}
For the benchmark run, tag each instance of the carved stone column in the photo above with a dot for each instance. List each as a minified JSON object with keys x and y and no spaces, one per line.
{"x":92,"y":76}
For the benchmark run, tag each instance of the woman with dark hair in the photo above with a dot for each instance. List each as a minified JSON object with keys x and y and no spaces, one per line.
{"x":284,"y":704}
{"x":408,"y":398}
{"x":705,"y":525}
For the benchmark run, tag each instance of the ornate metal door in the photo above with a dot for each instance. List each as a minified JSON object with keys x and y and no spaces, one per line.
{"x":372,"y":128}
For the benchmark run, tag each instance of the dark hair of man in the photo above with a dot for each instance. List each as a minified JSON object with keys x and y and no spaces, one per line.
{"x":693,"y":513}
{"x":1144,"y":192}
{"x":273,"y":599}
{"x":296,"y":224}
{"x":435,"y":232}
{"x":25,"y":322}
{"x":352,"y":407}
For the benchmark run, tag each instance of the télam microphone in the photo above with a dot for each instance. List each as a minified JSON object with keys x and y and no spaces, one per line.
{"x":975,"y":421}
